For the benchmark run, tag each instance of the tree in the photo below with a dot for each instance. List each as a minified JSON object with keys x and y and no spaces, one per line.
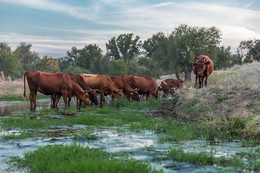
{"x":185,"y":42}
{"x":27,"y":58}
{"x":156,"y":48}
{"x":73,"y":56}
{"x":118,"y":67}
{"x":123,"y":47}
{"x":87,"y":56}
{"x":9,"y":62}
{"x":250,"y":47}
{"x":48,"y":64}
{"x":223,"y":58}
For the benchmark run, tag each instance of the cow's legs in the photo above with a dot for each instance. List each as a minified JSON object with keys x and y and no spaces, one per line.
{"x":65,"y":95}
{"x":57,"y":100}
{"x":53,"y":100}
{"x":196,"y":81}
{"x":147,"y":96}
{"x":200,"y":82}
{"x":33,"y":100}
{"x":102,"y":98}
{"x":206,"y":81}
{"x":69,"y":99}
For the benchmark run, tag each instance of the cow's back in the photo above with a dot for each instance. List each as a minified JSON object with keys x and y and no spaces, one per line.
{"x":48,"y":83}
{"x":99,"y":81}
{"x":174,"y":82}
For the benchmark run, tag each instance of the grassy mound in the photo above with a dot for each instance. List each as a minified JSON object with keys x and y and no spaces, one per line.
{"x":231,"y":103}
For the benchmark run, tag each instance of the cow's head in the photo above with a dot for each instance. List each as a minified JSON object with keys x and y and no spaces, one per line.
{"x":117,"y":93}
{"x":93,"y":97}
{"x":134,"y":95}
{"x":85,"y":98}
{"x":201,"y":64}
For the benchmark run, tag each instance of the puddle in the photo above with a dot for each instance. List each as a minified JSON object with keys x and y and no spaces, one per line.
{"x":142,"y":146}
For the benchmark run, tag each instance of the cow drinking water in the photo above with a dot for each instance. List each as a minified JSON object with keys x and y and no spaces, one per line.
{"x":53,"y":83}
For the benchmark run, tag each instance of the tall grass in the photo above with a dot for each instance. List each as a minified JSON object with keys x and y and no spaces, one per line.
{"x":75,"y":158}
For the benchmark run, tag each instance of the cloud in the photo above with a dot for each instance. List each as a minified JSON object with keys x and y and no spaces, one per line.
{"x":86,"y":13}
{"x":143,"y":18}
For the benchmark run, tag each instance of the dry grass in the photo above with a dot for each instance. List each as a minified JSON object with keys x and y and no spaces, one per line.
{"x":234,"y":92}
{"x":12,"y":88}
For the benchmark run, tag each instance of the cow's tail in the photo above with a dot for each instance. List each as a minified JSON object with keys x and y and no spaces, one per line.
{"x":24,"y":87}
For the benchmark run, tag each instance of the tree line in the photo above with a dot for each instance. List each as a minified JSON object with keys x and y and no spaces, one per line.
{"x":161,"y":54}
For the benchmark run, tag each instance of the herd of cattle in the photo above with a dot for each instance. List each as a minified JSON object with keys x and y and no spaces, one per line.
{"x":86,"y":86}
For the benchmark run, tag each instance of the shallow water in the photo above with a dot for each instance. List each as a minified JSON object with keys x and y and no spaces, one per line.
{"x":142,"y":146}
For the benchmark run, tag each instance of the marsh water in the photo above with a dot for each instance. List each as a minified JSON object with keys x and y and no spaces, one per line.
{"x":143,"y":146}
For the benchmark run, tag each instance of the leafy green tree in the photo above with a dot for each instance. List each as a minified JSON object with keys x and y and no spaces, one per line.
{"x":250,"y":47}
{"x":9,"y":62}
{"x":73,"y":56}
{"x":65,"y":62}
{"x":87,"y":56}
{"x":156,"y":48}
{"x":186,"y":42}
{"x":75,"y":70}
{"x":118,"y":67}
{"x":125,"y":46}
{"x":223,"y":58}
{"x":27,"y":57}
{"x":139,"y":66}
{"x":48,"y":64}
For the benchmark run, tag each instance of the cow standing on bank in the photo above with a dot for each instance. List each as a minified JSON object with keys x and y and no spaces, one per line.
{"x":202,"y":68}
{"x":53,"y":83}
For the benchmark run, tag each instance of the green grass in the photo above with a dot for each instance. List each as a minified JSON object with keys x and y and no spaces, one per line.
{"x":249,"y":161}
{"x":127,"y":115}
{"x":75,"y":158}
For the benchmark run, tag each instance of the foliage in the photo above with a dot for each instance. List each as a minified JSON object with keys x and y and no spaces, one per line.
{"x":9,"y":62}
{"x":74,"y":70}
{"x":252,"y":47}
{"x":117,"y":67}
{"x":244,"y":160}
{"x":186,"y":42}
{"x":48,"y":64}
{"x":76,"y":158}
{"x":27,"y":58}
{"x":125,"y":47}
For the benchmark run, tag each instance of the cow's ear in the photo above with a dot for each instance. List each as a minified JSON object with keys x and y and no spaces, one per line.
{"x":207,"y":63}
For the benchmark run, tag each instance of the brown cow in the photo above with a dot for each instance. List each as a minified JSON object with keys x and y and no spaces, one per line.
{"x":170,"y":85}
{"x":104,"y":84}
{"x":143,"y":85}
{"x":121,"y":84}
{"x":53,"y":83}
{"x":202,"y":68}
{"x":79,"y":79}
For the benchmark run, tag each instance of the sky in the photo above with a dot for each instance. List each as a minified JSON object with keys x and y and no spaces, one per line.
{"x":53,"y":27}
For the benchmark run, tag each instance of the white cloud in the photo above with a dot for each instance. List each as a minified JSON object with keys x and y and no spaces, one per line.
{"x":237,"y":22}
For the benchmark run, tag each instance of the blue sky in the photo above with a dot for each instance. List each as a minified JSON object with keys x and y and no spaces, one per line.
{"x":53,"y":27}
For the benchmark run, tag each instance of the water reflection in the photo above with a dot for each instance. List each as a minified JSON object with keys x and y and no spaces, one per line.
{"x":21,"y":107}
